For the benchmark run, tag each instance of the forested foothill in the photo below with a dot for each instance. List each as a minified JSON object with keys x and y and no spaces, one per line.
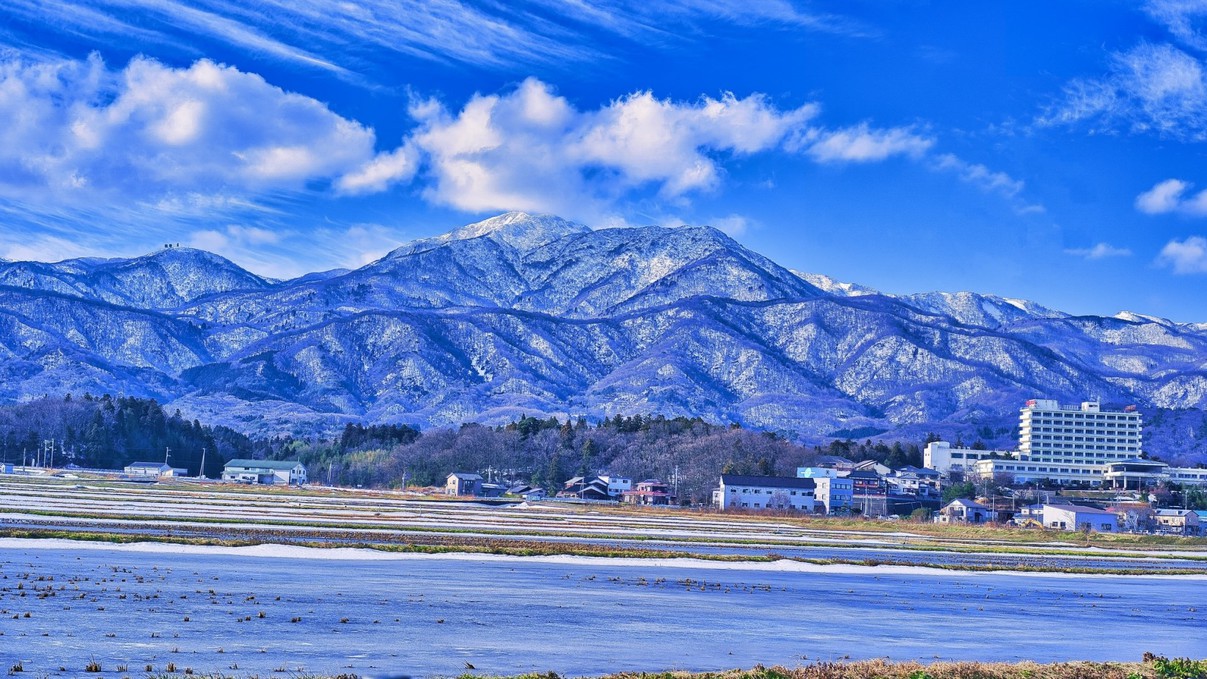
{"x":107,"y":433}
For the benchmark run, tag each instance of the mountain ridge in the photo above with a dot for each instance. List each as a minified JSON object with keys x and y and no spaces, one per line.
{"x":532,"y":314}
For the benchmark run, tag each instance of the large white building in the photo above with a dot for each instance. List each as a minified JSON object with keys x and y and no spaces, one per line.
{"x":941,"y":457}
{"x":765,"y":492}
{"x":1067,"y":444}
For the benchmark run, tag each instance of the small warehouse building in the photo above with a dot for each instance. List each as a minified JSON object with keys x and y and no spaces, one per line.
{"x":265,"y":472}
{"x":152,"y":470}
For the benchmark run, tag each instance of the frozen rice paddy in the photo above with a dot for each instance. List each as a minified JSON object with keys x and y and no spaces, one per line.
{"x":290,"y":610}
{"x":283,"y":609}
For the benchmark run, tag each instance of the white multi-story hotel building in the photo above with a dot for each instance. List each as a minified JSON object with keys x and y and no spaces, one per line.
{"x":1085,"y":434}
{"x":1068,"y":444}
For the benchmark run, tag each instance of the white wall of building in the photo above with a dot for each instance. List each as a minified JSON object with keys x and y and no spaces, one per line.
{"x":835,"y":494}
{"x":766,"y":497}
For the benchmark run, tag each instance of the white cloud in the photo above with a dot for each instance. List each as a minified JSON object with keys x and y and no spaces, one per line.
{"x":1162,"y":198}
{"x":1099,"y":251}
{"x":1152,"y":88}
{"x":1185,"y":257}
{"x":860,"y":144}
{"x":1179,"y":17}
{"x":237,"y":242}
{"x":1170,"y":196}
{"x":43,"y":248}
{"x":733,"y":225}
{"x":341,"y":36}
{"x":984,"y":178}
{"x":77,"y":132}
{"x":362,"y":244}
{"x":530,"y":149}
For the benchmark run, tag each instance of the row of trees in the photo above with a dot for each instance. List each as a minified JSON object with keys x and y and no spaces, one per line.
{"x":109,"y":433}
{"x":687,"y":452}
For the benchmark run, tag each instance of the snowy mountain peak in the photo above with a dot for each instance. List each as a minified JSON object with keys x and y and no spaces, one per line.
{"x":520,"y":231}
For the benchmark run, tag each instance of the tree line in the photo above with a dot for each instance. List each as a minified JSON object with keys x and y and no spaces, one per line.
{"x":107,"y":432}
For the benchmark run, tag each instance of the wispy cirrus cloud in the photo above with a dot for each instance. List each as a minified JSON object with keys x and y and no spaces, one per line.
{"x":1099,"y":251}
{"x":862,"y":143}
{"x":1151,"y":88}
{"x":338,"y":36}
{"x":1183,"y":19}
{"x":979,"y":175}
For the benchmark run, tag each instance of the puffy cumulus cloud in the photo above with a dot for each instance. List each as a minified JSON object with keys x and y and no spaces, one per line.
{"x":77,"y":129}
{"x":1185,"y":257}
{"x":1099,"y":251}
{"x":1170,"y":196}
{"x":530,"y":149}
{"x":861,"y":144}
{"x":1152,"y":88}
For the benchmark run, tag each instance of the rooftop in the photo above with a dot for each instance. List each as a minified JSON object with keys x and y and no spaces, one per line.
{"x":767,"y":481}
{"x":1079,"y":509}
{"x":263,"y":464}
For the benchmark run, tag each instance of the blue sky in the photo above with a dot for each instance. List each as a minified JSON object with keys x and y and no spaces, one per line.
{"x":1046,"y":150}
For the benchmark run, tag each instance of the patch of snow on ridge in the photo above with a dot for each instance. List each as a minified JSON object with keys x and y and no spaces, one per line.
{"x":519,"y":230}
{"x":1134,"y":317}
{"x":833,"y":286}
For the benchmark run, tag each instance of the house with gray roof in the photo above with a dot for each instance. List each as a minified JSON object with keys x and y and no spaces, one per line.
{"x":964,"y":510}
{"x":1178,"y":521}
{"x":1078,"y":517}
{"x":463,"y":483}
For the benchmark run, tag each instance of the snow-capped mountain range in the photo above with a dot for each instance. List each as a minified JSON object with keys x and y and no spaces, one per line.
{"x":523,"y":314}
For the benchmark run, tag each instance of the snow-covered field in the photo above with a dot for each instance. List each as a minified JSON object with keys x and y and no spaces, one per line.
{"x":289,"y":609}
{"x":195,"y":510}
{"x":370,"y":613}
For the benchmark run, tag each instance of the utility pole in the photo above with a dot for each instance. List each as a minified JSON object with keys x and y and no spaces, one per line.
{"x":166,"y":451}
{"x":201,"y":470}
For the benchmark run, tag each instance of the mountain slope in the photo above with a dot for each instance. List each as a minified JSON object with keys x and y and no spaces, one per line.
{"x":523,"y":314}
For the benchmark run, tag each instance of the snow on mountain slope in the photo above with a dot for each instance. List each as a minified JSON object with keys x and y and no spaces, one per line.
{"x":987,"y":311}
{"x":537,"y":315}
{"x":164,"y":279}
{"x":833,"y":286}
